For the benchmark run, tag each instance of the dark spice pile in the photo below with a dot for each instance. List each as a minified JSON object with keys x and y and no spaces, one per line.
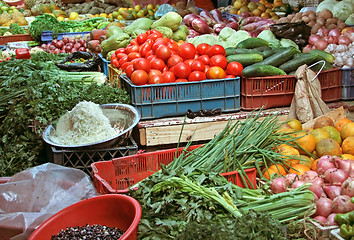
{"x":89,"y":232}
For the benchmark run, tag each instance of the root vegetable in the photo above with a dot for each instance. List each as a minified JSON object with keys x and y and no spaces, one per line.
{"x":342,"y":204}
{"x":334,"y":33}
{"x":323,"y":207}
{"x":343,"y":40}
{"x":321,"y":219}
{"x":309,"y":176}
{"x":337,"y":177}
{"x":321,"y":44}
{"x":330,"y":220}
{"x":316,"y":188}
{"x":347,"y":187}
{"x":313,"y":39}
{"x":290,"y":178}
{"x":332,"y":191}
{"x":278,"y":185}
{"x":324,"y":163}
{"x":297,"y":184}
{"x":347,"y":165}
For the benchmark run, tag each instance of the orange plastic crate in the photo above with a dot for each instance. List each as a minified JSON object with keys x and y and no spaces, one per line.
{"x":278,"y":91}
{"x":118,"y":175}
{"x":15,"y":38}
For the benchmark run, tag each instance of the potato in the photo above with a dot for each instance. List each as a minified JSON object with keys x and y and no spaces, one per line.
{"x":325,"y":14}
{"x":321,"y":21}
{"x":332,"y":26}
{"x":312,"y":16}
{"x":341,"y":25}
{"x":291,"y":16}
{"x":311,"y":23}
{"x":306,"y":19}
{"x":332,"y":20}
{"x":315,"y":28}
{"x":298,"y":15}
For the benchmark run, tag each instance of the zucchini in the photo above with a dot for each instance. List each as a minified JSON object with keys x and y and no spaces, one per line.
{"x":268,"y":53}
{"x":280,"y":57}
{"x":293,"y":64}
{"x":252,"y":43}
{"x":230,"y":51}
{"x":324,"y":55}
{"x":261,"y":49}
{"x":245,"y":59}
{"x":262,"y":71}
{"x":246,"y":51}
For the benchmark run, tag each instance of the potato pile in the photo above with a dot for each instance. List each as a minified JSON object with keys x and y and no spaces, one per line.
{"x":317,"y":20}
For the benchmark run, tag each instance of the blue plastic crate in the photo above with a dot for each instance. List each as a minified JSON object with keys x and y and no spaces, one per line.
{"x":174,"y":99}
{"x":47,"y":36}
{"x":104,"y":65}
{"x":347,"y":83}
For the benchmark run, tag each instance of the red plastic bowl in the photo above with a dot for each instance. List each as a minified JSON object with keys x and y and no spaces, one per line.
{"x":113,"y":210}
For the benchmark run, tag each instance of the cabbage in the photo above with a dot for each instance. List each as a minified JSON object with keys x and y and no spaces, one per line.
{"x":237,"y":37}
{"x":225,"y":33}
{"x":284,"y":42}
{"x":326,"y":4}
{"x":350,"y":20}
{"x":342,"y":10}
{"x":270,"y":38}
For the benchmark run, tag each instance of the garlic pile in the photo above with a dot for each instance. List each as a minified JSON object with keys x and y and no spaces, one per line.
{"x":344,"y":55}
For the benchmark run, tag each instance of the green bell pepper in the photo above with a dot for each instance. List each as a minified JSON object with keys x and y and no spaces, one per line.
{"x":346,"y":231}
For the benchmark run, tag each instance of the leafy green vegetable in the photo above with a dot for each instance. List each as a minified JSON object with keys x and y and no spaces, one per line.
{"x":342,"y":10}
{"x":44,"y":97}
{"x":326,"y":4}
{"x":270,"y":38}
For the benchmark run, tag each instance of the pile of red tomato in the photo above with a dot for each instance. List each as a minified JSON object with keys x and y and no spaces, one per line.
{"x":152,"y":58}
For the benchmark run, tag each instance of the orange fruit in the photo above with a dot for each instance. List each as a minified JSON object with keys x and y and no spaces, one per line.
{"x":320,"y":133}
{"x":328,"y":146}
{"x":265,"y":15}
{"x":347,"y":130}
{"x":322,"y":122}
{"x":339,"y":124}
{"x":335,"y":134}
{"x":305,"y":160}
{"x":347,"y":156}
{"x":306,"y":141}
{"x":261,"y":7}
{"x":289,"y":152}
{"x":348,"y":145}
{"x":295,"y":124}
{"x":299,"y":169}
{"x":274,"y":169}
{"x":257,"y":12}
{"x":314,"y":165}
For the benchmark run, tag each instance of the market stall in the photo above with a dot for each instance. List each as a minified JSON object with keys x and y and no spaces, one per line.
{"x":227,"y":123}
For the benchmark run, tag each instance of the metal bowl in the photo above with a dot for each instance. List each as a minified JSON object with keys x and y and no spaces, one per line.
{"x":125,"y":115}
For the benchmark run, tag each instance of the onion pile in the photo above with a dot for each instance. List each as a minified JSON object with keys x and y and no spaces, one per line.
{"x":332,"y":183}
{"x":66,"y":45}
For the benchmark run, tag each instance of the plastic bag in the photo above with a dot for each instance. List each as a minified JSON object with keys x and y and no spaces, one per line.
{"x":35,"y":194}
{"x":92,"y":63}
{"x":299,"y":32}
{"x":307,"y":103}
{"x":163,"y":9}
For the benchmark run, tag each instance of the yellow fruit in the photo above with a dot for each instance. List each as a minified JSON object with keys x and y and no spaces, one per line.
{"x":289,"y":152}
{"x":305,"y":141}
{"x":137,"y":8}
{"x":305,"y":160}
{"x":347,"y":156}
{"x":295,"y":124}
{"x":320,"y":133}
{"x":150,"y":7}
{"x":347,"y":130}
{"x":328,"y":146}
{"x":103,"y":15}
{"x":74,"y":16}
{"x":348,"y":145}
{"x":237,"y":4}
{"x":335,"y":134}
{"x":60,"y":18}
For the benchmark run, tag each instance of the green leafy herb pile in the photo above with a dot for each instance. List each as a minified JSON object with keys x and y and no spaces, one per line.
{"x":13,"y":29}
{"x":31,"y":93}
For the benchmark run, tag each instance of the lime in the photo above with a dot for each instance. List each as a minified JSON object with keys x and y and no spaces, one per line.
{"x":4,"y":8}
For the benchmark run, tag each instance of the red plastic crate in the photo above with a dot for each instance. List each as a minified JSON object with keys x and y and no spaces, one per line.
{"x":278,"y":91}
{"x":119,"y":174}
{"x":15,"y":38}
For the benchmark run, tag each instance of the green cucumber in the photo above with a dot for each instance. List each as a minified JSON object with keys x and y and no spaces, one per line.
{"x":252,"y":43}
{"x":230,"y":51}
{"x":246,"y":51}
{"x":261,"y":49}
{"x":324,"y":55}
{"x":293,"y":64}
{"x":262,"y":71}
{"x":268,"y":53}
{"x":280,"y":57}
{"x":245,"y":59}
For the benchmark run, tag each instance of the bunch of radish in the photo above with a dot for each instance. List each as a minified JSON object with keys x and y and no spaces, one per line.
{"x":332,"y":183}
{"x":66,"y":45}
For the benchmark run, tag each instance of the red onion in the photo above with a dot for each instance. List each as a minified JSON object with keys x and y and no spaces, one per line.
{"x":347,"y":187}
{"x":347,"y":165}
{"x":313,"y":39}
{"x":324,"y":163}
{"x":297,"y":184}
{"x":290,"y":178}
{"x":332,"y":40}
{"x":334,"y":32}
{"x":343,"y":40}
{"x":323,"y":207}
{"x":332,"y":191}
{"x":337,"y":177}
{"x":316,"y":188}
{"x":321,"y":44}
{"x":342,"y":204}
{"x":54,"y":42}
{"x":278,"y":185}
{"x":323,"y":32}
{"x":309,"y":176}
{"x":327,"y":174}
{"x":330,"y":220}
{"x":321,"y":219}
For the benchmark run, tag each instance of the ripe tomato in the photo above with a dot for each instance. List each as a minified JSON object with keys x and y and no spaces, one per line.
{"x":141,"y":38}
{"x":123,"y":60}
{"x":150,"y":57}
{"x":125,"y":65}
{"x":186,"y":51}
{"x":154,"y":79}
{"x":120,"y":55}
{"x":205,"y":59}
{"x":133,"y":42}
{"x":203,"y":48}
{"x":154,"y":72}
{"x":156,"y":45}
{"x":153,"y":37}
{"x":157,"y":64}
{"x":182,"y":70}
{"x":229,"y":76}
{"x":218,"y":60}
{"x":129,"y":70}
{"x":198,"y":66}
{"x":144,"y":49}
{"x":139,"y":77}
{"x":173,"y":46}
{"x":163,"y":52}
{"x":133,"y":55}
{"x":120,"y":50}
{"x":215,"y":73}
{"x":132,"y":48}
{"x":181,"y":80}
{"x":196,"y":76}
{"x":168,"y":77}
{"x":189,"y":62}
{"x":115,"y":62}
{"x":142,"y":64}
{"x":173,"y":60}
{"x":206,"y":68}
{"x":215,"y":50}
{"x":234,"y":68}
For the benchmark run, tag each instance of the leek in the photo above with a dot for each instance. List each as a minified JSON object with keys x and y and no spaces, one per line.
{"x":84,"y":77}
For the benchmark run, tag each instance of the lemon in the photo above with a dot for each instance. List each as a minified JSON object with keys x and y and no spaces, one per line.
{"x":73,"y":16}
{"x":61,"y":18}
{"x":103,"y":15}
